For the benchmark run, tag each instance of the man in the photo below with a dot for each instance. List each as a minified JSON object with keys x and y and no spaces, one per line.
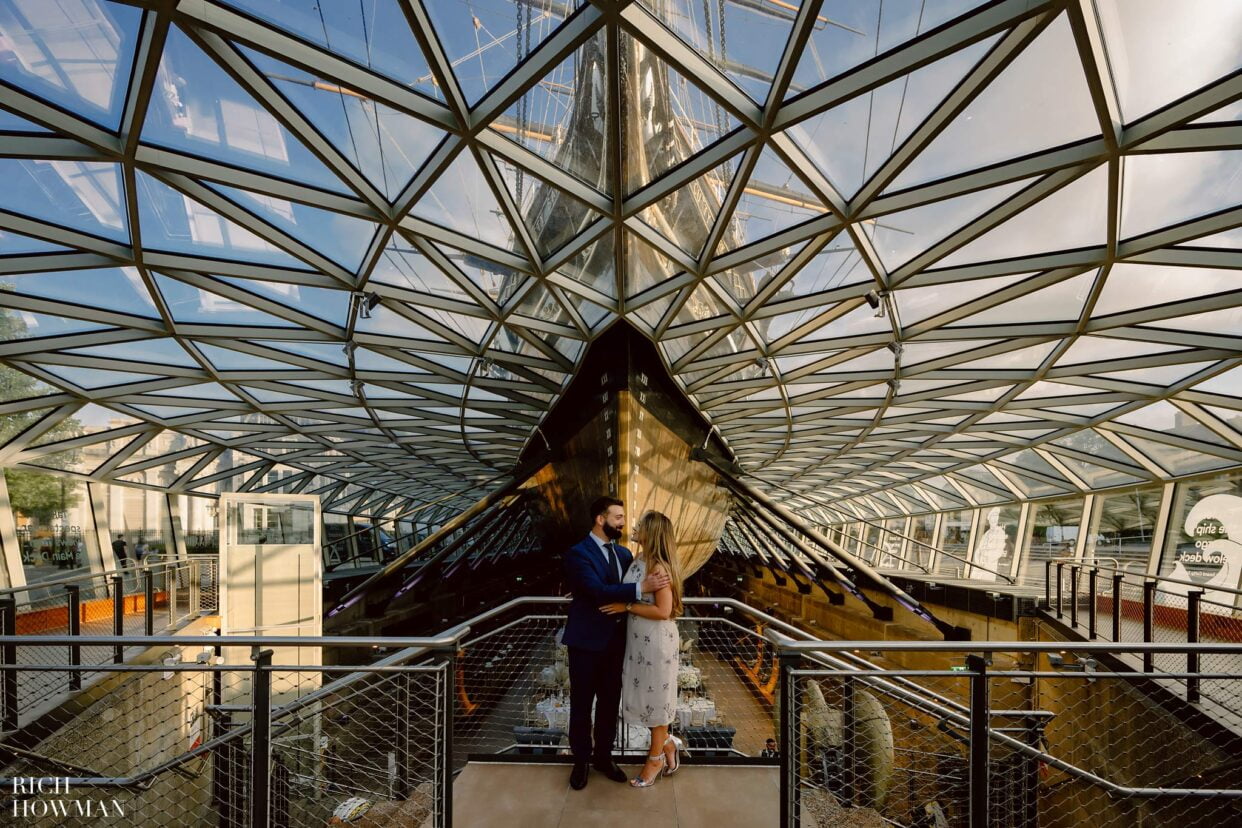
{"x":594,"y":569}
{"x":769,"y":750}
{"x":119,"y":552}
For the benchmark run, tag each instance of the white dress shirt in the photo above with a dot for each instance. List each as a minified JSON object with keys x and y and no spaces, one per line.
{"x":608,"y":560}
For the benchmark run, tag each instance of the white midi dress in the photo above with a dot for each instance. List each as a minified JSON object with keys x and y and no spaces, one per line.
{"x":649,"y":678}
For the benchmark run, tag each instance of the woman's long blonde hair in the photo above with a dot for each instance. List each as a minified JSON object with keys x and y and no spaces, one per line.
{"x":656,"y":531}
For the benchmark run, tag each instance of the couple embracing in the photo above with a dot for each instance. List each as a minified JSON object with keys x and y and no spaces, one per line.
{"x":623,"y":642}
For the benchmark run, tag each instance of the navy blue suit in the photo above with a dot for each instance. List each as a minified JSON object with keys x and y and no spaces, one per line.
{"x":596,"y":647}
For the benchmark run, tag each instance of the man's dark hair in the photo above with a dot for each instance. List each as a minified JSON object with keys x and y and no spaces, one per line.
{"x":771,"y":741}
{"x":603,"y":504}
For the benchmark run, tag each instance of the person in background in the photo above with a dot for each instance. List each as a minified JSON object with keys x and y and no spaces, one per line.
{"x":120,"y":552}
{"x":140,"y":550}
{"x":769,"y":750}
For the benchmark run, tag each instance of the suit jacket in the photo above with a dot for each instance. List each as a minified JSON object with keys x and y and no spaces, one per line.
{"x":587,"y":575}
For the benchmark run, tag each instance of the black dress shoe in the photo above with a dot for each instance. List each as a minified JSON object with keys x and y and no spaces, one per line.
{"x":609,"y":768}
{"x":578,"y":779}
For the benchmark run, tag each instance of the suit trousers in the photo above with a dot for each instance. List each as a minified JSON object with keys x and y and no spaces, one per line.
{"x":595,"y":676}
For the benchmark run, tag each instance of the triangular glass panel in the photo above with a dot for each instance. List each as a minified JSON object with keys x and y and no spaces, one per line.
{"x":325,"y":303}
{"x":553,"y":215}
{"x":1225,"y":240}
{"x":196,"y":107}
{"x":386,"y":146}
{"x":708,"y":35}
{"x":78,"y":56}
{"x":171,"y":412}
{"x":849,"y":142}
{"x":226,"y":359}
{"x":329,"y":352}
{"x":1228,"y":416}
{"x":199,"y":392}
{"x":1019,"y":359}
{"x":483,"y":44}
{"x":1226,"y":322}
{"x":1227,"y":383}
{"x":27,"y":325}
{"x":1072,"y":217}
{"x":190,"y":304}
{"x":899,"y":237}
{"x":916,"y":304}
{"x":1046,"y":77}
{"x":461,"y":200}
{"x":1045,"y":390}
{"x":498,"y":281}
{"x":1060,"y":302}
{"x":374,"y":35}
{"x":859,"y":322}
{"x":669,"y":115}
{"x":158,"y":352}
{"x":563,"y":118}
{"x":1160,"y":52}
{"x":116,"y":289}
{"x":838,"y":264}
{"x":774,"y":200}
{"x":1159,"y":375}
{"x":15,"y":244}
{"x":403,"y":266}
{"x":1161,"y":190}
{"x":1175,"y":459}
{"x":595,"y":266}
{"x":174,"y":222}
{"x":652,"y":312}
{"x":87,"y":196}
{"x":343,"y":239}
{"x":848,"y":33}
{"x":389,"y":323}
{"x":1226,"y":114}
{"x":95,"y":378}
{"x":702,"y":304}
{"x":1088,"y":349}
{"x":11,"y":122}
{"x":591,"y":313}
{"x":1133,"y":286}
{"x":686,"y":215}
{"x":645,"y":266}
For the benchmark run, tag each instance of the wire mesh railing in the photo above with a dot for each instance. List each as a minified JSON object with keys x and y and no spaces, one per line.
{"x":1108,"y":603}
{"x":908,"y":733}
{"x":193,"y":741}
{"x":989,"y":734}
{"x":156,"y":596}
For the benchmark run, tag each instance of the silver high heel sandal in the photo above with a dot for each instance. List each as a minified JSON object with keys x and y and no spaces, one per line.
{"x":637,"y":781}
{"x":679,"y":750}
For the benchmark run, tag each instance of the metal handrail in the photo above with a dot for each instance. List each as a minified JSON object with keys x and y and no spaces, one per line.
{"x":1144,"y":576}
{"x":935,"y":549}
{"x":55,"y":582}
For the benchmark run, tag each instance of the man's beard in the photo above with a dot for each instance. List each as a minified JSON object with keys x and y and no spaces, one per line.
{"x":613,"y":532}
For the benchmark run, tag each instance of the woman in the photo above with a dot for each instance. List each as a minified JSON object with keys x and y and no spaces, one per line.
{"x":649,"y":678}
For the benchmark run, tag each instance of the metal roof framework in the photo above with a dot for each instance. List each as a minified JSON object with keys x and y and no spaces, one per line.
{"x":950,"y":295}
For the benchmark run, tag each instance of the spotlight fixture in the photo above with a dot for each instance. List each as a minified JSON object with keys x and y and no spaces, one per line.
{"x":367,"y":302}
{"x":873,"y":299}
{"x":349,"y":348}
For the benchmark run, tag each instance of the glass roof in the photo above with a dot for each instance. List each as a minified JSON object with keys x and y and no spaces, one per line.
{"x":960,"y":251}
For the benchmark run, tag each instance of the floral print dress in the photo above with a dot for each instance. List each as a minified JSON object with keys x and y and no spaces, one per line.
{"x":649,"y":678}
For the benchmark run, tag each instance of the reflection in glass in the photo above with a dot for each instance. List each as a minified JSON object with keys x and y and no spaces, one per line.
{"x":1053,"y":534}
{"x":1122,"y":528}
{"x":998,"y":535}
{"x":77,"y":53}
{"x":260,"y":523}
{"x":955,"y":533}
{"x":1204,"y":542}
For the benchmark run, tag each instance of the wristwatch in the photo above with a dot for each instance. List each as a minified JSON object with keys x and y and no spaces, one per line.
{"x":627,"y":606}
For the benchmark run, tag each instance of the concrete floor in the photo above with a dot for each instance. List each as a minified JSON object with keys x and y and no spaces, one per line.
{"x":511,"y":795}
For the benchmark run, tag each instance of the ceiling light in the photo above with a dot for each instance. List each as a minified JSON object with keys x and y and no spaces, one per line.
{"x":873,"y":299}
{"x":367,"y":302}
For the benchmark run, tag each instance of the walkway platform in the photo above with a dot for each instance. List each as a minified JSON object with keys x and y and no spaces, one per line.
{"x":523,"y":795}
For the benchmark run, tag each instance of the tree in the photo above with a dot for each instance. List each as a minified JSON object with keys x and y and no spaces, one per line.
{"x":34,"y":494}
